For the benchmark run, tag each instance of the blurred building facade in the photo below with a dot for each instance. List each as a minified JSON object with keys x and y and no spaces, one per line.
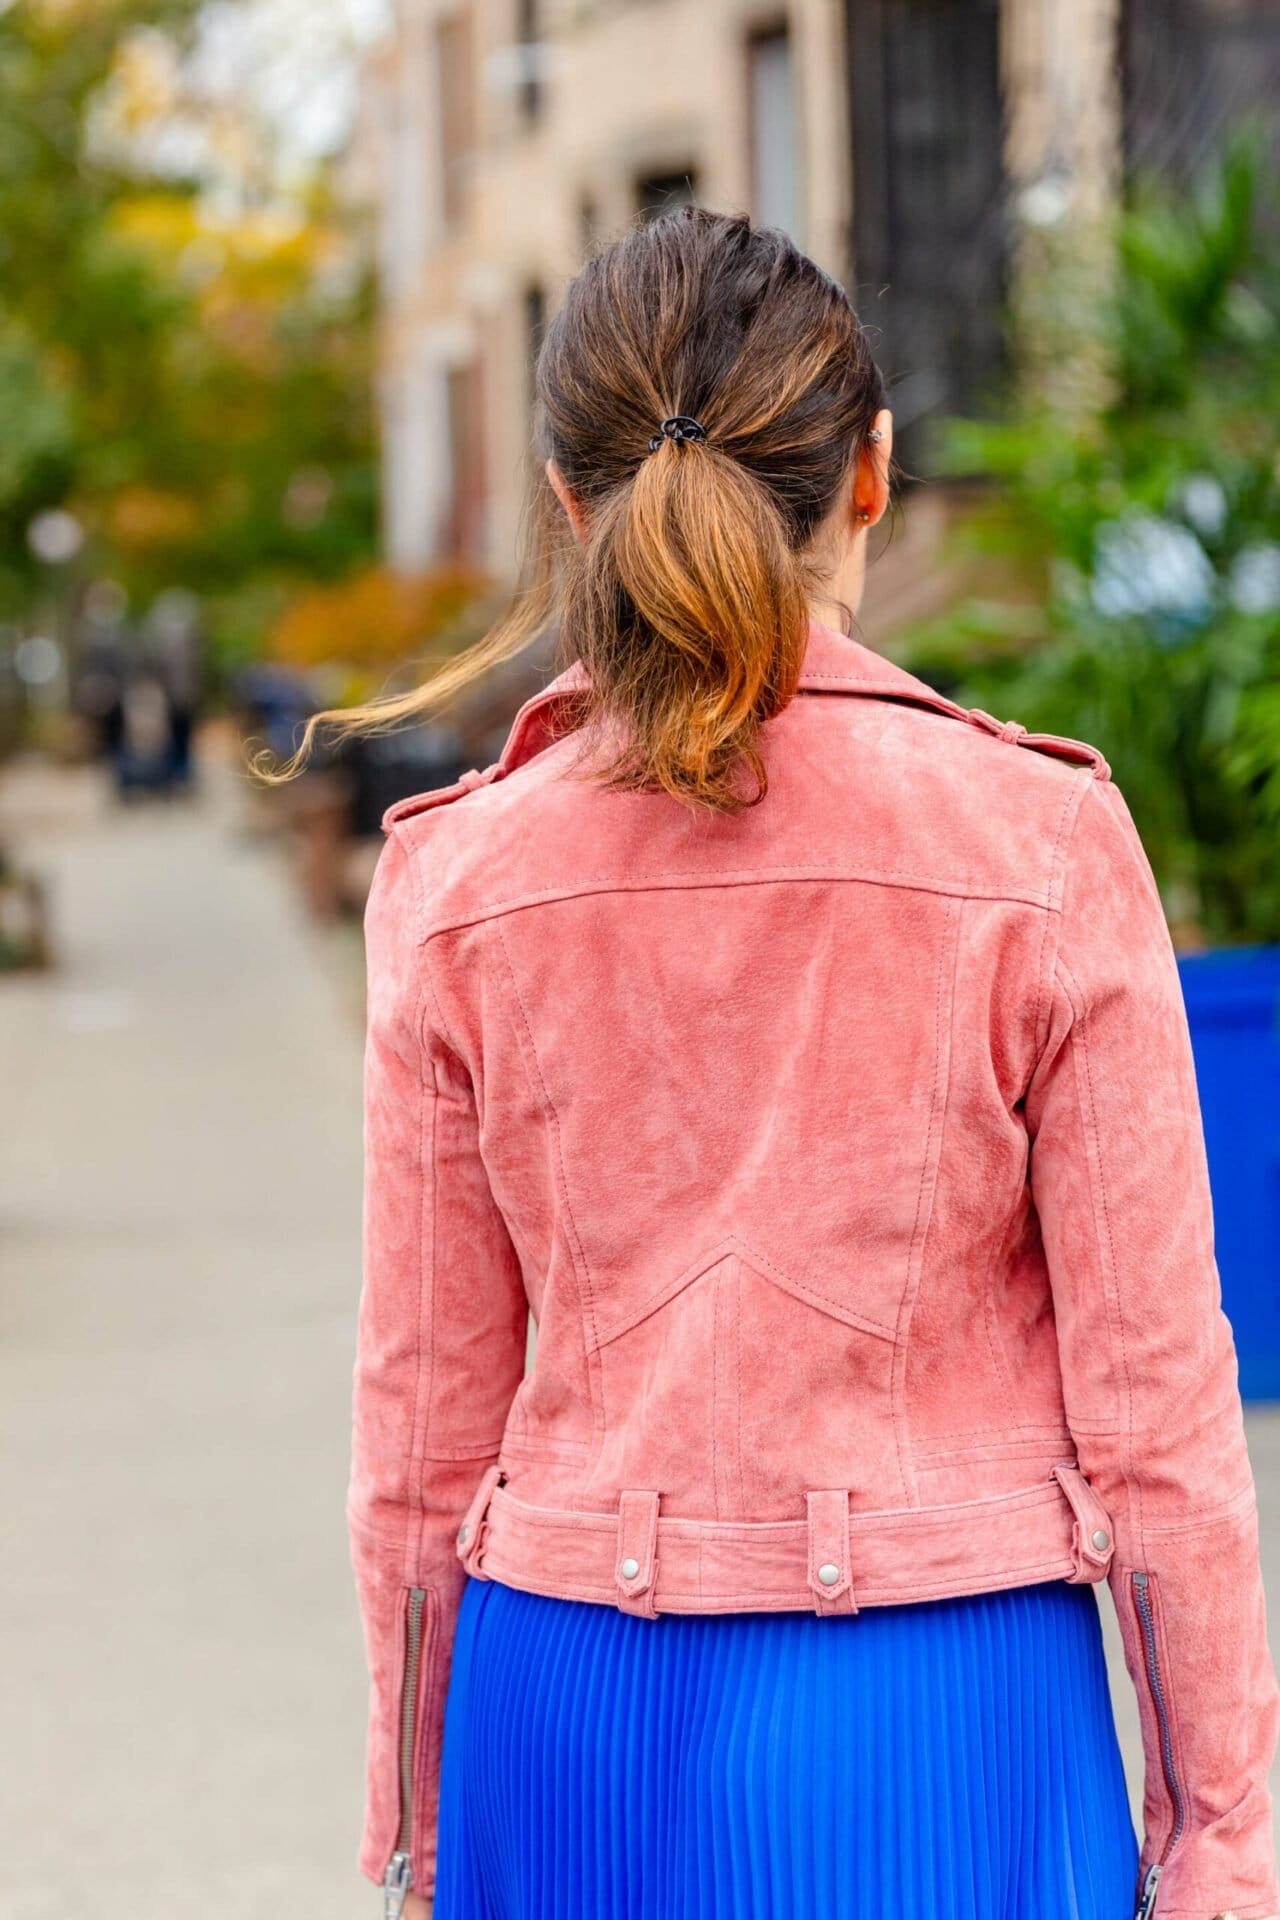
{"x":515,"y":134}
{"x":925,"y":152}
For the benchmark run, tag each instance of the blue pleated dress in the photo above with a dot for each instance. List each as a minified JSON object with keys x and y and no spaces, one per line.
{"x":955,"y":1758}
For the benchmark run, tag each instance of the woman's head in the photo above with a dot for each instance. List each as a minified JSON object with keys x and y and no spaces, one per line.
{"x":696,"y":558}
{"x":683,"y":574}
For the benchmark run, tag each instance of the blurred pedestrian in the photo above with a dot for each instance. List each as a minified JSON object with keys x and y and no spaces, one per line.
{"x":144,"y":747}
{"x":177,"y":650}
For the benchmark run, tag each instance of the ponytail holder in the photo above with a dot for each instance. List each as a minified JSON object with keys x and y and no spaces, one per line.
{"x":680,"y":427}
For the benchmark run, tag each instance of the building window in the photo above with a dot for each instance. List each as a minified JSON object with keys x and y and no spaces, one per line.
{"x":772,"y":131}
{"x":930,"y":218}
{"x":659,"y":192}
{"x":464,"y":534}
{"x":589,"y":224}
{"x":454,"y":119}
{"x":1192,"y":69}
{"x":528,"y":38}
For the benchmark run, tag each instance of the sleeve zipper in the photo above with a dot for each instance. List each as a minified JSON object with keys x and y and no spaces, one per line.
{"x":398,"y":1879}
{"x":1141,"y":1590}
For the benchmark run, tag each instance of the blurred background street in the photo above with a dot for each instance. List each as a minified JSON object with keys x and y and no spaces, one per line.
{"x":272,"y":282}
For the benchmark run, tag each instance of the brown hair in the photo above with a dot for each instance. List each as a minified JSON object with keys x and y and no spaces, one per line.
{"x":687,"y":600}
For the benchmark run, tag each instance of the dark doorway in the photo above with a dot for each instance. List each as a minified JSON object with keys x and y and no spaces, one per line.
{"x":930,"y":229}
{"x":1193,"y":69}
{"x":659,"y":192}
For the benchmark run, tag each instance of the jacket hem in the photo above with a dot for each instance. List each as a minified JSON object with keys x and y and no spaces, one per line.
{"x":900,"y":1554}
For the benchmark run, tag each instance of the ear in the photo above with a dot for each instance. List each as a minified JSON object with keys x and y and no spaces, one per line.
{"x":870,"y":491}
{"x":568,"y":500}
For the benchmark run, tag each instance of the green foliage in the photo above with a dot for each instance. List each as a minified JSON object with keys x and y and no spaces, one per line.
{"x":195,"y":388}
{"x":1148,"y":536}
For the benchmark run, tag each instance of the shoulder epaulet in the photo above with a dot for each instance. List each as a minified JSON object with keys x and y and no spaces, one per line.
{"x":416,"y":803}
{"x":1058,"y":745}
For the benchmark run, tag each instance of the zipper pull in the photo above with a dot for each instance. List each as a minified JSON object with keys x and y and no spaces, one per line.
{"x":1147,"y":1904}
{"x":396,"y":1883}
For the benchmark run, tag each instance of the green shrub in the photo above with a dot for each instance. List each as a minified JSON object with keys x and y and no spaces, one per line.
{"x":1148,"y":536}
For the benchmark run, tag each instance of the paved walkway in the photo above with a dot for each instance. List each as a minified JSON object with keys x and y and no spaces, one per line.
{"x":179,"y":1173}
{"x":179,"y":1180}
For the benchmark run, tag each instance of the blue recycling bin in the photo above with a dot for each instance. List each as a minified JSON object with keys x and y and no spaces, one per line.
{"x":1233,"y":1008}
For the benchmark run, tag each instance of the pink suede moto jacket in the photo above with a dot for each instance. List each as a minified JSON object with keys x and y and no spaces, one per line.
{"x":847,"y":1155}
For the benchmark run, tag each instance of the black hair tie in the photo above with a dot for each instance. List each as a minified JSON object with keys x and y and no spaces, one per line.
{"x":680,"y":427}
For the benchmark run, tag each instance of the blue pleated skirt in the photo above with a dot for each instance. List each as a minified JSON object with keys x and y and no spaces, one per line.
{"x":955,"y":1758}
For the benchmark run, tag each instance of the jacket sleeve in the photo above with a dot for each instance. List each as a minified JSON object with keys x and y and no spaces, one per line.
{"x":1120,"y":1182}
{"x":440,"y":1351}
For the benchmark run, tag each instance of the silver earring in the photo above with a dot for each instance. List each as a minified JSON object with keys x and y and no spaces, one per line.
{"x":876,"y":433}
{"x":864,"y":513}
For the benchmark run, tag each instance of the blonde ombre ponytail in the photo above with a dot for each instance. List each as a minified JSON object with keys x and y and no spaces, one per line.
{"x":690,"y":605}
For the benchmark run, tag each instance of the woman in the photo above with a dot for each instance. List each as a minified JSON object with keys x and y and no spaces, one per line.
{"x":807,"y":1053}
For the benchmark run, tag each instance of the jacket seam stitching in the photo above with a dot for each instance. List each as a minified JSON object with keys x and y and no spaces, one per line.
{"x":736,"y":1599}
{"x":427,"y":983}
{"x":554,"y":1117}
{"x":948,"y":1513}
{"x":1006,"y":1426}
{"x":421,"y":1448}
{"x":398,"y":840}
{"x":428,"y":1137}
{"x":1084,"y":785}
{"x":904,"y":879}
{"x":464,"y":1452}
{"x":1054,"y":891}
{"x":737,"y":1385}
{"x":1044,"y":996}
{"x":736,"y":1244}
{"x":1102,"y":1226}
{"x":1201,"y":1519}
{"x":445,"y":1030}
{"x":890,"y":690}
{"x":1255,"y":1910}
{"x":939,"y":1100}
{"x":945,"y":1459}
{"x":717,"y":1309}
{"x":1080,"y":785}
{"x":536,"y":1452}
{"x":412,"y":1541}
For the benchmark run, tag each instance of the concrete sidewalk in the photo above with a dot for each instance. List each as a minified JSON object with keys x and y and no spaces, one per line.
{"x":179,"y":1172}
{"x":179,"y":1178}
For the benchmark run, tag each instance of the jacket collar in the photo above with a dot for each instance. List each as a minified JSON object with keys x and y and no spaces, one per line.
{"x":833,"y":663}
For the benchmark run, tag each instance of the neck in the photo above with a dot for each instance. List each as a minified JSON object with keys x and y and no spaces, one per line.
{"x":841,"y":617}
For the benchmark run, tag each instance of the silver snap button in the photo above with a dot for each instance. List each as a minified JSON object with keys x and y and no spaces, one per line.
{"x":629,"y":1568}
{"x":463,"y":1531}
{"x":1101,"y":1539}
{"x":828,"y":1574}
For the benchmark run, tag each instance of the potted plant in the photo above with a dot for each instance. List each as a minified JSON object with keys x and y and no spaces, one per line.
{"x":1144,"y":537}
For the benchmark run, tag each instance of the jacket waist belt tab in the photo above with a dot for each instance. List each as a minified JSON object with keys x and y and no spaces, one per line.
{"x":835,"y":1559}
{"x":635,"y":1564}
